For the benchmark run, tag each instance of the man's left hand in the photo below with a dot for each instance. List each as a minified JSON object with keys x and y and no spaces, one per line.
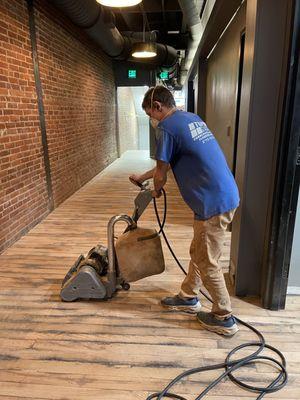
{"x":156,"y":193}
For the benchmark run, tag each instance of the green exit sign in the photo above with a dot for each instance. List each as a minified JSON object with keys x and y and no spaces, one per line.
{"x":132,"y":73}
{"x":164,"y":75}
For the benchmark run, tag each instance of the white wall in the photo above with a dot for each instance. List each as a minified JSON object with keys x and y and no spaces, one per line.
{"x":142,"y":119}
{"x":128,"y":126}
{"x":133,"y":122}
{"x":294,"y":274}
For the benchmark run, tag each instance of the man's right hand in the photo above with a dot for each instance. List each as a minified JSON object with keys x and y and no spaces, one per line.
{"x":136,"y":178}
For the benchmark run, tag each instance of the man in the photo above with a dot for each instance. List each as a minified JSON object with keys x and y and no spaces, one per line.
{"x":206,"y":184}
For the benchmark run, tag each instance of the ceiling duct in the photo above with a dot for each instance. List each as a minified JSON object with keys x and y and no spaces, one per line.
{"x":99,"y":24}
{"x":191,"y":14}
{"x":149,"y":36}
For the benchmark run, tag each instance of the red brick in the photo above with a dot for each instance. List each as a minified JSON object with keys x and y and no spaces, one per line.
{"x":78,"y":88}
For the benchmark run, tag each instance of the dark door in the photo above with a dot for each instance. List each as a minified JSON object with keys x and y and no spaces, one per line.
{"x":238,"y":101}
{"x":191,"y":97}
{"x":287,"y":185}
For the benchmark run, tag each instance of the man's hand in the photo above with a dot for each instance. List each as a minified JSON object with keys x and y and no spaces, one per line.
{"x":156,"y":193}
{"x":136,"y":178}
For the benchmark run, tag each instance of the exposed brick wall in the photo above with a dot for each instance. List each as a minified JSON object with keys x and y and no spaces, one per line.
{"x":79,"y":101}
{"x":23,"y":194}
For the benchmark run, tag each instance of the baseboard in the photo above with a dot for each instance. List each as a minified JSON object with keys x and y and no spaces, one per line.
{"x":293,"y":290}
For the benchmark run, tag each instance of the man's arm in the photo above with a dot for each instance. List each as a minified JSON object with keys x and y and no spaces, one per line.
{"x":143,"y":177}
{"x":148,"y":174}
{"x":160,"y":177}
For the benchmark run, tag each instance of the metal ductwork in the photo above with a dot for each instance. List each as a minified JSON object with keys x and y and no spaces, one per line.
{"x":99,"y":24}
{"x":191,"y":11}
{"x":166,"y":57}
{"x":152,"y":36}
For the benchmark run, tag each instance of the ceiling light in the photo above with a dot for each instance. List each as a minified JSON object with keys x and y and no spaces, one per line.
{"x":144,"y":50}
{"x":119,"y":3}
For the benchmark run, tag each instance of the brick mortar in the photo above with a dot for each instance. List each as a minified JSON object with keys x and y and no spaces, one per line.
{"x":79,"y":101}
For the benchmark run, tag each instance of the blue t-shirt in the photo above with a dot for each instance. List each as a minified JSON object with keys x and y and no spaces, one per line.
{"x":198,"y":163}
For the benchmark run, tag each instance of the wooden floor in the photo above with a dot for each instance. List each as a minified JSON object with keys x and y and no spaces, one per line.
{"x":129,"y":347}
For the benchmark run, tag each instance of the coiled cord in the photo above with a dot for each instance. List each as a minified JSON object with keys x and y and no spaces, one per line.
{"x":229,"y":365}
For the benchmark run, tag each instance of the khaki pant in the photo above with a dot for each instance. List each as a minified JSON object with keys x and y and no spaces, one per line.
{"x":205,"y":251}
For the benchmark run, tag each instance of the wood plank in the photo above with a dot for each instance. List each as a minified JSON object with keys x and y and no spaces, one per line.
{"x":128,"y":347}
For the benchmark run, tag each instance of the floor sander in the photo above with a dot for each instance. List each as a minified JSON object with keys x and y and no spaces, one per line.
{"x":136,"y":254}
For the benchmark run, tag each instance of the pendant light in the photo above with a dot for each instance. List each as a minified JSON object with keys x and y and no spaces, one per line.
{"x":144,"y":49}
{"x":119,"y":3}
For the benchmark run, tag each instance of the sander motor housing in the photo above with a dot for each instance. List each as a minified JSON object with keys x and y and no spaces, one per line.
{"x":136,"y":254}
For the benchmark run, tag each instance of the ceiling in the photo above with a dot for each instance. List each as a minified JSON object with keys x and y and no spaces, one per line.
{"x":163,"y":16}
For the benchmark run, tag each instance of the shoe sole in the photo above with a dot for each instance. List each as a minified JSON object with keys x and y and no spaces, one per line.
{"x":220,"y":329}
{"x":187,"y":309}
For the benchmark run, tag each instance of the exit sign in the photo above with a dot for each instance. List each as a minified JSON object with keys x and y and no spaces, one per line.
{"x":164,"y":75}
{"x":132,"y":74}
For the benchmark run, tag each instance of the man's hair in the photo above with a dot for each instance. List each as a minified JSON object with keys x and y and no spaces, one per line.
{"x":160,"y":93}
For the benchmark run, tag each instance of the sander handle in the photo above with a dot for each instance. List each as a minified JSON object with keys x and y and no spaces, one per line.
{"x":139,"y":184}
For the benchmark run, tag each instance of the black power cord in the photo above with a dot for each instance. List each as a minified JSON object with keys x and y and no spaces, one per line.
{"x":229,"y":365}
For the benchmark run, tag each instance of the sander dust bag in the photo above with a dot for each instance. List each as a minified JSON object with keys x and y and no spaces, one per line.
{"x":139,"y":254}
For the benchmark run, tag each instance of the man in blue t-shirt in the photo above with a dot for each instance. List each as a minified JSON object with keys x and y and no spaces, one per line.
{"x":184,"y":143}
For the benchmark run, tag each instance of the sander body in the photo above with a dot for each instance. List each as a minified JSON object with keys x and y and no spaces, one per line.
{"x":136,"y":254}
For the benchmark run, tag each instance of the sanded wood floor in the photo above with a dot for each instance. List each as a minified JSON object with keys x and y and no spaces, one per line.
{"x":129,"y":347}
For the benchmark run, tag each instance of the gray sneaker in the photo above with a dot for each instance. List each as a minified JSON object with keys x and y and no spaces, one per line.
{"x":227,"y":326}
{"x":176,"y":303}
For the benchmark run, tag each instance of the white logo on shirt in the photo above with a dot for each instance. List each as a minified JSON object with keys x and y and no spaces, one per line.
{"x":200,"y":131}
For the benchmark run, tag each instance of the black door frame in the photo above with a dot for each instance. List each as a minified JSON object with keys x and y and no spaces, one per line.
{"x":191,"y":97}
{"x":263,"y":101}
{"x":263,"y":106}
{"x":238,"y":98}
{"x":287,"y":185}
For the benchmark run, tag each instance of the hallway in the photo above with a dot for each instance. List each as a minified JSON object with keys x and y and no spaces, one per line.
{"x":128,"y":347}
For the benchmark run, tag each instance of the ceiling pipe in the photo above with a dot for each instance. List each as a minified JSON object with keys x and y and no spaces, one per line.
{"x":99,"y":24}
{"x":130,"y":20}
{"x":191,"y":14}
{"x":149,"y":36}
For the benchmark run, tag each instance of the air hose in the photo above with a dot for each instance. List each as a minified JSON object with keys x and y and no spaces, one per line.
{"x":229,"y":365}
